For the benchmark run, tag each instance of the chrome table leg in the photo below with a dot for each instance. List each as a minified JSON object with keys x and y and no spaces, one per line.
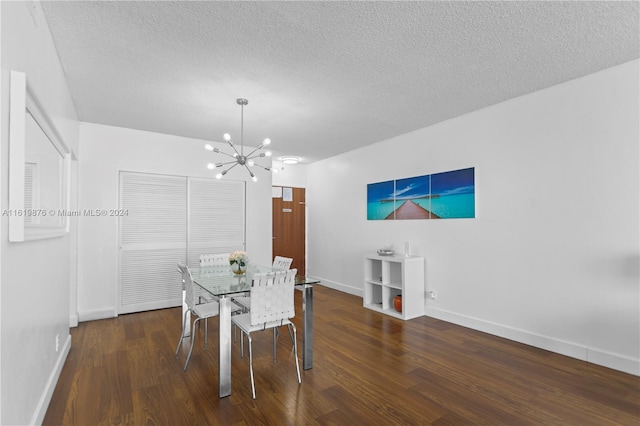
{"x":307,"y":324}
{"x":224,"y":348}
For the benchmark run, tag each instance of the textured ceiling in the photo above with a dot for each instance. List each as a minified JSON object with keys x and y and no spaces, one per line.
{"x":324,"y":78}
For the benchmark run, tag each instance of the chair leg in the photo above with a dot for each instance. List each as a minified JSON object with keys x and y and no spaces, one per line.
{"x":193,"y":340}
{"x":206,"y":332}
{"x":290,"y":335}
{"x":184,"y":321}
{"x":295,"y":352}
{"x":275,"y":338}
{"x":253,"y":385}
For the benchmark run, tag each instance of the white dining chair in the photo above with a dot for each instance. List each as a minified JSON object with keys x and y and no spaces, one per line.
{"x":217,"y":260}
{"x":211,"y":263}
{"x":272,"y":306}
{"x":279,"y":264}
{"x":201,"y":311}
{"x":282,"y":263}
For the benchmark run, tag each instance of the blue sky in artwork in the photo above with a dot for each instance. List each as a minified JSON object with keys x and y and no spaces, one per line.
{"x":412,"y":187}
{"x":454,"y":182}
{"x":379,"y":191}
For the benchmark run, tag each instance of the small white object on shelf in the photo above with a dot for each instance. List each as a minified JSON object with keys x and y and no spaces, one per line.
{"x":386,"y":252}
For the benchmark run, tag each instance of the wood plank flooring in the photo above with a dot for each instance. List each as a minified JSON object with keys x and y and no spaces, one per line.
{"x":369,"y":369}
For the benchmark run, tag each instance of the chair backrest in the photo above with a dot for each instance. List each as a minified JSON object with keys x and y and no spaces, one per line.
{"x":272,"y":296}
{"x":282,"y":263}
{"x":187,"y":281}
{"x":211,"y":262}
{"x":183,"y":271}
{"x":218,"y":259}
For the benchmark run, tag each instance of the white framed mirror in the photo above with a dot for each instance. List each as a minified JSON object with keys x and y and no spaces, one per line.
{"x":39,"y":168}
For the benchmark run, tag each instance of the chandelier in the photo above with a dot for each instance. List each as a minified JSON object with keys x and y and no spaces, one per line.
{"x":238,"y":156}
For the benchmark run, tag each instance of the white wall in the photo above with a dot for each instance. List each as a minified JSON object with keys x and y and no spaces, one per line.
{"x":294,"y":175}
{"x":108,"y":150}
{"x":552,"y":258}
{"x":36,"y":276}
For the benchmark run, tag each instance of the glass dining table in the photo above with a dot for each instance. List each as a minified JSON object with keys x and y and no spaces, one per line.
{"x":222,"y":283}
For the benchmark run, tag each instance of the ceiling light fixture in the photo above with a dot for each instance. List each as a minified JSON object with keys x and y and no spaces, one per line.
{"x":238,"y":157}
{"x":290,"y":160}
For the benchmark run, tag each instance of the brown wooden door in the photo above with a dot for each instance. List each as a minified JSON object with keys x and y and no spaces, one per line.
{"x":289,"y":227}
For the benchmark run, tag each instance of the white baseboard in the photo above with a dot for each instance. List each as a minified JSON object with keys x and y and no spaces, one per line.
{"x":96,"y":315}
{"x":339,"y":286}
{"x":614,"y":361}
{"x":73,"y":320}
{"x":45,"y":398}
{"x":573,"y":350}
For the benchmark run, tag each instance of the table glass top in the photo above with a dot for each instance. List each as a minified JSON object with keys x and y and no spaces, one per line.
{"x":221,"y":281}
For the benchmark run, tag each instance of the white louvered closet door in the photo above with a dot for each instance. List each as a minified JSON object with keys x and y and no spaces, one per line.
{"x":216,"y":217}
{"x":153,"y":240}
{"x":171,"y":220}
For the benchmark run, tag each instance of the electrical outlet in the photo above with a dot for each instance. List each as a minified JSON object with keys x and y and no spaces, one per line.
{"x":433,"y":295}
{"x":57,"y":342}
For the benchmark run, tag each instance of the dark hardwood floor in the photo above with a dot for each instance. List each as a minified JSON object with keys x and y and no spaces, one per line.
{"x":369,"y":369}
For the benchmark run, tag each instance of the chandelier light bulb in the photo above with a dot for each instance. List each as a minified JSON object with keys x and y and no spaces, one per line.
{"x":219,"y":176}
{"x":254,"y":178}
{"x":211,"y":166}
{"x":227,"y":137}
{"x":250,"y":163}
{"x":208,"y":147}
{"x":267,"y":141}
{"x":267,"y":153}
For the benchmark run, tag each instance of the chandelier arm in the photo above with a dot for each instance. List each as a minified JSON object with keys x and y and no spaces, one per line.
{"x":252,"y":152}
{"x":234,"y":148}
{"x":226,"y":171}
{"x":264,"y":167}
{"x":226,"y":153}
{"x":228,"y":162}
{"x":253,"y":177}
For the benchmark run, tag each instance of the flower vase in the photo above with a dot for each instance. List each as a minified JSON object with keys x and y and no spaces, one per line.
{"x":238,"y":269}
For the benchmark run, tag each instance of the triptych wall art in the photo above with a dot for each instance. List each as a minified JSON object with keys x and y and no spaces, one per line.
{"x":448,"y":195}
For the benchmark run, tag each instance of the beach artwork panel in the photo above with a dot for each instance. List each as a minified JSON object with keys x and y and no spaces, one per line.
{"x":447,"y":195}
{"x":380,"y":200}
{"x":453,"y":194}
{"x":413,"y":198}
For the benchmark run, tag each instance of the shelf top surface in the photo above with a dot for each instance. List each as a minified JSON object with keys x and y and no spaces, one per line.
{"x":395,"y":257}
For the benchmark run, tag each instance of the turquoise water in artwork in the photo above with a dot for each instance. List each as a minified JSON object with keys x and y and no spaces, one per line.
{"x":379,"y":211}
{"x":445,"y":206}
{"x":450,"y":206}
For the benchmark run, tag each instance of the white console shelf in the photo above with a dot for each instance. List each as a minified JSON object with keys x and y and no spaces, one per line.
{"x":388,"y":276}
